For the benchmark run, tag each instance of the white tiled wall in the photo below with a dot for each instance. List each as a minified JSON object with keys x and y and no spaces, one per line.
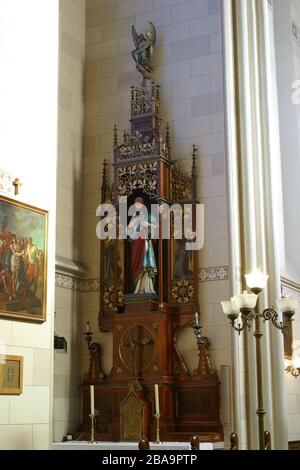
{"x":28,"y":148}
{"x":69,"y":208}
{"x":188,"y":65}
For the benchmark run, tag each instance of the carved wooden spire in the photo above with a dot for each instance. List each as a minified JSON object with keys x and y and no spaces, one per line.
{"x":157,"y":98}
{"x":104,"y":187}
{"x":132,"y":99}
{"x":115,"y":136}
{"x":168,"y":141}
{"x":194,"y":171}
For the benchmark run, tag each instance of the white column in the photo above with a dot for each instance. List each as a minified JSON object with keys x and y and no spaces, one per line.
{"x":274,"y":216}
{"x":251,"y":141}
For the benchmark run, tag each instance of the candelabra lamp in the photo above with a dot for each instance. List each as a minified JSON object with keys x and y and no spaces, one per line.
{"x":242,"y":313}
{"x":294,"y":368}
{"x":203,"y":343}
{"x":95,"y":374}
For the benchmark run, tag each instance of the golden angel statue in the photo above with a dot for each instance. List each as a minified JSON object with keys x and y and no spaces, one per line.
{"x":144,"y":49}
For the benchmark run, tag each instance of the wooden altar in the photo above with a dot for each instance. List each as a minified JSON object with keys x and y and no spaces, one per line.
{"x":146,"y":325}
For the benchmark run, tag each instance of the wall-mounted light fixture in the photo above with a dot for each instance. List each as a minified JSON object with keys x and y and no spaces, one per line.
{"x":294,"y":368}
{"x":242,"y":313}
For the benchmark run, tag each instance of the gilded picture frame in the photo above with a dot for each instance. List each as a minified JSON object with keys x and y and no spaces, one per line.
{"x":23,"y":261}
{"x":11,"y":374}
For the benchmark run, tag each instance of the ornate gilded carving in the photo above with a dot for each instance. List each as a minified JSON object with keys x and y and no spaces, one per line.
{"x":141,"y":176}
{"x":137,"y":348}
{"x":183,"y":291}
{"x":141,"y":101}
{"x":135,"y":145}
{"x":132,"y":417}
{"x":109,"y":297}
{"x":181,"y":185}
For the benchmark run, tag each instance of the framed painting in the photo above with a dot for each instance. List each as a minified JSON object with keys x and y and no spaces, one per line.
{"x":11,"y":375}
{"x":23,"y":261}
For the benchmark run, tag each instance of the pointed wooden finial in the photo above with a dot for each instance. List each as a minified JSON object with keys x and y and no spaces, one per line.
{"x":132,"y":88}
{"x":104,"y":181}
{"x":132,"y":99}
{"x":194,"y":171}
{"x":168,"y":142}
{"x":115,"y":136}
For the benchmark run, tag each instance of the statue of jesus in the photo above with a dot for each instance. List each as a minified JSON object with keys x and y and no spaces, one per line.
{"x":143,"y":263}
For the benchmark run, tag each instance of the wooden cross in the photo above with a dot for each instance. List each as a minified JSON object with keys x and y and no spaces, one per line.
{"x":17,"y":183}
{"x":135,"y":343}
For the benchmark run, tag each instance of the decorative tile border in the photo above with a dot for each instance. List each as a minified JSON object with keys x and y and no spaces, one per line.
{"x":93,"y":285}
{"x":213,"y":274}
{"x":66,"y":282}
{"x":72,"y":283}
{"x":89,"y":285}
{"x":6,"y":183}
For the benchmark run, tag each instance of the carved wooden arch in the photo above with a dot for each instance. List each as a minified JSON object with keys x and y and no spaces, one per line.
{"x":179,"y":327}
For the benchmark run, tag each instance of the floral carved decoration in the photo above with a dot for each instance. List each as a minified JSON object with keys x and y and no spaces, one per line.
{"x":135,"y":145}
{"x":183,"y":291}
{"x":109,"y":297}
{"x":181,"y":185}
{"x":141,"y":176}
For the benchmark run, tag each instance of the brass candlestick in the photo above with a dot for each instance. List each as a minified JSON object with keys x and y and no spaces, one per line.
{"x":157,"y":417}
{"x":203,"y":344}
{"x":92,"y":441}
{"x":95,"y":374}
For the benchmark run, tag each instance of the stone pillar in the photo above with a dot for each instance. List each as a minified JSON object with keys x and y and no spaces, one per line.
{"x":253,"y":157}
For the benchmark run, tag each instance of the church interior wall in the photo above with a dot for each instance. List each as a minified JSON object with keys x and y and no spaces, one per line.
{"x":188,"y":66}
{"x":67,"y":324}
{"x":288,"y":72}
{"x":28,"y":149}
{"x":93,"y":74}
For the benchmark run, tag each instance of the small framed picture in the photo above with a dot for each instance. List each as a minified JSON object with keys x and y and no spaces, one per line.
{"x":23,"y":261}
{"x":11,"y":375}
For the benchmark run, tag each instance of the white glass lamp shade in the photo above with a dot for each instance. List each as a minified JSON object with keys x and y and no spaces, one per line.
{"x":296,"y":362}
{"x":246,"y":300}
{"x":229,"y":307}
{"x":257,"y":280}
{"x":287,"y":304}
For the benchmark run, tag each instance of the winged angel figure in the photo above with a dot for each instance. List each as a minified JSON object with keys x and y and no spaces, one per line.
{"x":144,"y":49}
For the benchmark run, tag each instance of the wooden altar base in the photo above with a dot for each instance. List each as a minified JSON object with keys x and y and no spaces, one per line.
{"x":187,"y":407}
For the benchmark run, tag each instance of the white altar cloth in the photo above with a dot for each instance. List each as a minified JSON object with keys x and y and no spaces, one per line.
{"x":178,"y":446}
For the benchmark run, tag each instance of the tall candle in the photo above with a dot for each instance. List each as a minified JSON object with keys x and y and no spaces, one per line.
{"x":156,"y":399}
{"x":92,"y":400}
{"x":87,"y":326}
{"x":197,"y":318}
